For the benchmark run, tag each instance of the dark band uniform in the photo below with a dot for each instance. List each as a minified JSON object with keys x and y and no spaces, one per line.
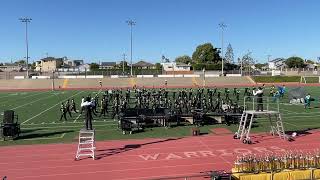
{"x":87,"y":105}
{"x":63,"y":112}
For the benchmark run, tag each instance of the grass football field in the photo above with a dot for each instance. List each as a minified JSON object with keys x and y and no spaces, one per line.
{"x":39,"y":114}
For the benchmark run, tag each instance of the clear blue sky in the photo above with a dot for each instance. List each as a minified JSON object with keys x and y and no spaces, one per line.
{"x":96,"y":30}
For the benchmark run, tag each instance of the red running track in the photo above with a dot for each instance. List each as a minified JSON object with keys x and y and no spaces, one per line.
{"x":141,"y":159}
{"x":288,"y":84}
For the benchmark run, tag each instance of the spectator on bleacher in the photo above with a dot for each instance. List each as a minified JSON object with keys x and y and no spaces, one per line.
{"x":82,"y":101}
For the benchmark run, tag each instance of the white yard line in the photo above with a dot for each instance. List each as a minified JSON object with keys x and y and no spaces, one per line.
{"x":5,"y":96}
{"x":291,"y":124}
{"x":32,"y":102}
{"x":22,"y":97}
{"x":77,"y":118}
{"x":50,"y":108}
{"x":288,"y":111}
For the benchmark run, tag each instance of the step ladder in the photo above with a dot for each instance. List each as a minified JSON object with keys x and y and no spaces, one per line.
{"x":246,"y":121}
{"x":243,"y":132}
{"x":242,"y":125}
{"x":278,"y":128}
{"x":86,"y":146}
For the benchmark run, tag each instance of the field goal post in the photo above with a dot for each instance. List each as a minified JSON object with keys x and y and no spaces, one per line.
{"x":310,"y":79}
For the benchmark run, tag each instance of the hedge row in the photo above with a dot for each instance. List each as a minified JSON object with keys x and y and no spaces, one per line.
{"x":276,"y":79}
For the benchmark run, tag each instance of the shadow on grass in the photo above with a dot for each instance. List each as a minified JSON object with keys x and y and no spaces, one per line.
{"x":41,"y":135}
{"x":109,"y":152}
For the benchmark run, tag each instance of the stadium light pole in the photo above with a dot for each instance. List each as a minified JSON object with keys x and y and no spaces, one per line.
{"x":26,"y":20}
{"x":131,"y":24}
{"x":53,"y":80}
{"x":124,"y":58}
{"x":222,"y":26}
{"x":268,"y":58}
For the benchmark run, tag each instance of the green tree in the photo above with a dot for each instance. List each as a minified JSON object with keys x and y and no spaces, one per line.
{"x":183,"y":59}
{"x":121,"y":64}
{"x":260,"y":65}
{"x":21,"y":62}
{"x":94,"y":66}
{"x":295,"y":62}
{"x":229,"y":57}
{"x":206,"y":53}
{"x":32,"y":66}
{"x":158,"y":66}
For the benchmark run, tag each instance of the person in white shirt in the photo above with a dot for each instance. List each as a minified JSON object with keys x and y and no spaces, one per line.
{"x":82,"y":101}
{"x":259,"y":95}
{"x":87,"y":106}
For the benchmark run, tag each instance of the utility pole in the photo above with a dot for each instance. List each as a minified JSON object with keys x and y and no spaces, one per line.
{"x":124,"y":59}
{"x":222,"y":26}
{"x":241,"y":66}
{"x":204,"y":77}
{"x":269,"y":57}
{"x":26,"y":21}
{"x":53,"y":80}
{"x":131,"y":23}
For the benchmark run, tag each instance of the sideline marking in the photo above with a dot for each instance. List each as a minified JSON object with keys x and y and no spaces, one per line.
{"x":50,"y":108}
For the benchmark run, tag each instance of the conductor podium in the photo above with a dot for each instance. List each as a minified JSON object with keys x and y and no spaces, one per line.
{"x":271,"y":112}
{"x":10,"y":128}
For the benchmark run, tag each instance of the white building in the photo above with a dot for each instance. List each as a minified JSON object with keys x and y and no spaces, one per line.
{"x":173,"y":66}
{"x":277,"y":63}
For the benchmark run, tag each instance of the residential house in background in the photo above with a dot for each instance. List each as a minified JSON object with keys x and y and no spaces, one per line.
{"x":48,"y":64}
{"x":63,"y":64}
{"x":278,"y":63}
{"x":72,"y":63}
{"x":9,"y":67}
{"x":312,"y":66}
{"x":107,"y":65}
{"x":176,"y":67}
{"x":144,"y":65}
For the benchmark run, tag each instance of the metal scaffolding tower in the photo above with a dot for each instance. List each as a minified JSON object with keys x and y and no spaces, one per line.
{"x":271,"y":112}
